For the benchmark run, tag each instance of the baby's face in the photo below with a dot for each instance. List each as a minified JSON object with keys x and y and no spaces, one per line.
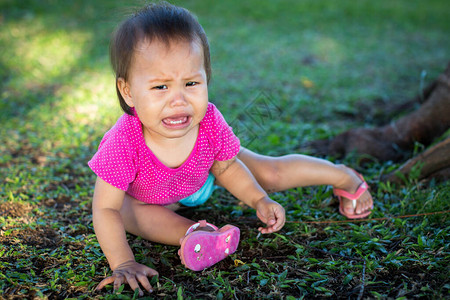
{"x":167,"y":87}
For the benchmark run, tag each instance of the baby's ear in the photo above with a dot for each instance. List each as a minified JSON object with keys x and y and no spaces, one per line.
{"x":124,"y":89}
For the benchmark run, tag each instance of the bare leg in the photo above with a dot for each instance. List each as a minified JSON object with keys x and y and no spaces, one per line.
{"x":153,"y":222}
{"x":295,"y":170}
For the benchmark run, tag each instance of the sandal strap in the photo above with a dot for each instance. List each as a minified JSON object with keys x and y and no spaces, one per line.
{"x":201,"y":223}
{"x":361,"y":189}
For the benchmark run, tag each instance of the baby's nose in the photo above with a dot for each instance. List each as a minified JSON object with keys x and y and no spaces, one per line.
{"x":178,"y":99}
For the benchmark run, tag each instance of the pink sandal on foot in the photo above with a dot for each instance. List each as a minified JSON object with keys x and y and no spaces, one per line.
{"x":354,"y":197}
{"x":202,"y":249}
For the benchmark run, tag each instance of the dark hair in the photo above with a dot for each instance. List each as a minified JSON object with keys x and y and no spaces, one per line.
{"x":162,"y":21}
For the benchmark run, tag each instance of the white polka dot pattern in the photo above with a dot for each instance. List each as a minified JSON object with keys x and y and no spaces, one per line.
{"x":124,"y":160}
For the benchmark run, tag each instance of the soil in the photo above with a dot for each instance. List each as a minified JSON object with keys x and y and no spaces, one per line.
{"x":14,"y":210}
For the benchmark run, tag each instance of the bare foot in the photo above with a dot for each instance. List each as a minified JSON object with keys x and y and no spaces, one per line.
{"x":350,"y":183}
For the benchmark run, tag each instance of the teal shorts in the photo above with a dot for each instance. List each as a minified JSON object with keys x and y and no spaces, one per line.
{"x":202,"y":195}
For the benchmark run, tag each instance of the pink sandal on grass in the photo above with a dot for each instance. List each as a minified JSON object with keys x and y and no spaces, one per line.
{"x":354,"y":197}
{"x":202,"y":249}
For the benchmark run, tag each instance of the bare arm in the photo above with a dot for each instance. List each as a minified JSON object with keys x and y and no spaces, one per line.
{"x":108,"y":224}
{"x":110,"y":232}
{"x":238,"y":180}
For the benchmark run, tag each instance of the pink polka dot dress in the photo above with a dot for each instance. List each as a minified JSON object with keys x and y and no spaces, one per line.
{"x":124,"y":160}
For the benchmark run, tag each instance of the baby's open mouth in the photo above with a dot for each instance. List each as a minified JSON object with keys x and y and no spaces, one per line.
{"x":176,"y":120}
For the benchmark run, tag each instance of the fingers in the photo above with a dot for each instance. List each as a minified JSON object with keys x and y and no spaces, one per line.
{"x":150,"y":272}
{"x":272,"y":228}
{"x":138,"y":275}
{"x":266,"y":230}
{"x":275,"y":221}
{"x":120,"y":279}
{"x":131,"y":279}
{"x":105,"y":282}
{"x":273,"y":215}
{"x":143,"y":279}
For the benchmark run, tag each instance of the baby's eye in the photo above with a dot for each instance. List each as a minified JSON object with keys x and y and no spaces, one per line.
{"x":160,"y":87}
{"x":191,"y":83}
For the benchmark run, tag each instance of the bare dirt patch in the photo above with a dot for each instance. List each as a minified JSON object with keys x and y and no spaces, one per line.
{"x":14,"y":209}
{"x":42,"y":237}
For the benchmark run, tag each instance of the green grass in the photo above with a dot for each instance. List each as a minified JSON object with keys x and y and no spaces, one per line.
{"x":310,"y":62}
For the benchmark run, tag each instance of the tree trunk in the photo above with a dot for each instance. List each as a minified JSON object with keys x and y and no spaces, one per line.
{"x":389,"y":142}
{"x":392,"y":141}
{"x":434,"y":162}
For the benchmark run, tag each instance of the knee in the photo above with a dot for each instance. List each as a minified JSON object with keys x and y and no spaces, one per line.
{"x":270,"y":176}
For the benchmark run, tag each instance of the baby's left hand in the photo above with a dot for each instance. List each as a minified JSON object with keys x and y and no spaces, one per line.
{"x":271,"y":213}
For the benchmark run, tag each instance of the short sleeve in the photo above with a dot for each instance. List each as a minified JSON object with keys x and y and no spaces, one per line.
{"x":226,"y":143}
{"x":114,"y":161}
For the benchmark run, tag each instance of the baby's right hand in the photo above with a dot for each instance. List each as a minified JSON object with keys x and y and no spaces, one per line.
{"x":130,"y":272}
